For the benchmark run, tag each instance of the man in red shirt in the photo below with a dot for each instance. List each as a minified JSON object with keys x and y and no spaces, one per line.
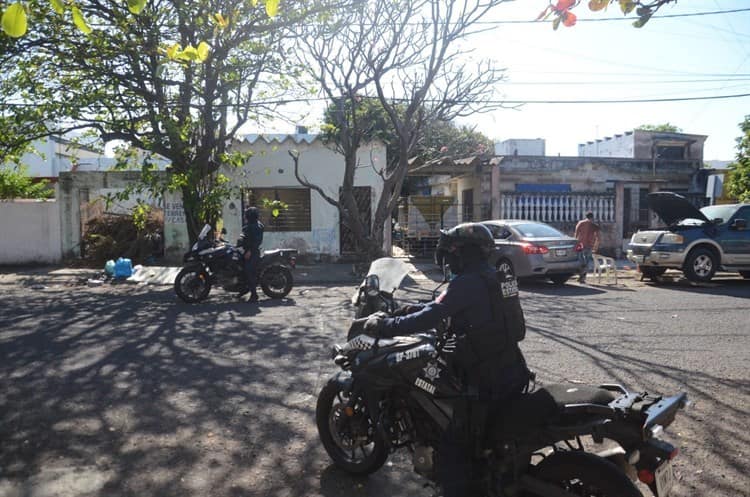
{"x":587,"y":232}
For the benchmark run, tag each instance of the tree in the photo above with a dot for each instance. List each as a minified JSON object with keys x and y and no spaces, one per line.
{"x":409,"y":60}
{"x":738,"y":181}
{"x":16,"y":183}
{"x":662,"y":128}
{"x":439,"y":138}
{"x":178,"y":80}
{"x":561,"y":10}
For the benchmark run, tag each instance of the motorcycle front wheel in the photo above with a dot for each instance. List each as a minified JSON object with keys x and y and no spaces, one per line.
{"x":585,"y":474}
{"x":192,"y":284}
{"x":276,"y":282}
{"x":347,"y":432}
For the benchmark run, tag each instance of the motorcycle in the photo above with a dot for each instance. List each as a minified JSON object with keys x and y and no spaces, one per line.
{"x":216,"y":262}
{"x":375,"y":293}
{"x":399,"y":393}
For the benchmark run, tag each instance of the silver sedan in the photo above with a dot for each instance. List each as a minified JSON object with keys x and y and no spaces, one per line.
{"x":530,"y":249}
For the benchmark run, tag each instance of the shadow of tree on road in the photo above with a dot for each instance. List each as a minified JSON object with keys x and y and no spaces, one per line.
{"x":156,"y":397}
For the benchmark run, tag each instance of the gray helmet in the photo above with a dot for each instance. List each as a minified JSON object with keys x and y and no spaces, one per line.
{"x":467,"y":234}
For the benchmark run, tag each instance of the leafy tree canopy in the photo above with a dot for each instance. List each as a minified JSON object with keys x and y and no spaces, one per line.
{"x":664,"y":128}
{"x":177,"y":80}
{"x":16,"y":183}
{"x":738,"y":182}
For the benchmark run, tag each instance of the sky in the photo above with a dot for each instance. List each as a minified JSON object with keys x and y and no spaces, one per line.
{"x":706,"y":55}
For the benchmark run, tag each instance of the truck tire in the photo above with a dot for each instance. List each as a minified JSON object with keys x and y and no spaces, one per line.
{"x":700,"y":265}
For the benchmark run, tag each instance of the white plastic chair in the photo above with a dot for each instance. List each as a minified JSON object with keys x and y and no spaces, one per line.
{"x":604,"y":266}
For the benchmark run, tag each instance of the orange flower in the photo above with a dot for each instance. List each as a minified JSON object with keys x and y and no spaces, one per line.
{"x":569,"y":18}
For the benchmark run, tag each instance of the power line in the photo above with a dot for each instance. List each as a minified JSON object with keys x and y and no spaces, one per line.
{"x":498,"y":102}
{"x":602,"y":19}
{"x":633,"y":101}
{"x":624,"y":82}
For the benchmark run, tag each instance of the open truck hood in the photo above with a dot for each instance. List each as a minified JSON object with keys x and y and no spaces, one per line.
{"x":673,"y":208}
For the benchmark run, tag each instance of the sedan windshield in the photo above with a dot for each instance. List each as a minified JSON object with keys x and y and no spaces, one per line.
{"x":536,"y":230}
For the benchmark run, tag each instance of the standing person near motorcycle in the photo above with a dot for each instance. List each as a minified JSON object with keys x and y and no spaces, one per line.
{"x":488,"y":321}
{"x":252,"y":237}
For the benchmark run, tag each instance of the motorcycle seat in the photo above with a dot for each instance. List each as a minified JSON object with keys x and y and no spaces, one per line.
{"x":532,"y":411}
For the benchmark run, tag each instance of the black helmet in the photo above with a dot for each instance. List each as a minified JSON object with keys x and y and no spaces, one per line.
{"x":251,"y":214}
{"x":467,"y":234}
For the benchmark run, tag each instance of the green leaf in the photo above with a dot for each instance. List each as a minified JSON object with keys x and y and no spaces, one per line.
{"x":14,"y":20}
{"x":136,"y":6}
{"x":275,"y":212}
{"x":79,"y":21}
{"x":556,"y":23}
{"x":58,"y":5}
{"x":272,"y":7}
{"x":627,"y":6}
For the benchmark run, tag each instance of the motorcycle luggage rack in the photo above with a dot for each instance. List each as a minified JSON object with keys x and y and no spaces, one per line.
{"x":614,"y":387}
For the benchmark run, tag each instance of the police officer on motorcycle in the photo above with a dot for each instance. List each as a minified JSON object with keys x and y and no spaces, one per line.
{"x":488,"y":322}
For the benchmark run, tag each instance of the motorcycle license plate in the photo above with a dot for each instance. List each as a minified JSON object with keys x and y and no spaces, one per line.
{"x":561,"y":253}
{"x":664,"y":479}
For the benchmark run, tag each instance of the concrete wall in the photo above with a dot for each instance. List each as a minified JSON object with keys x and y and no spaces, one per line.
{"x":521,"y":146}
{"x":639,"y":145}
{"x":31,"y":232}
{"x":76,"y":189}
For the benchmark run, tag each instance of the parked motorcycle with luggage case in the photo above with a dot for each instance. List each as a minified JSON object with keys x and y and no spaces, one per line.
{"x":212,"y":262}
{"x":399,"y":394}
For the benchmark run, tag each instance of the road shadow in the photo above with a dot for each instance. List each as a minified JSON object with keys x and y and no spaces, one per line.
{"x":724,"y":285}
{"x":624,"y":345}
{"x":153,"y":396}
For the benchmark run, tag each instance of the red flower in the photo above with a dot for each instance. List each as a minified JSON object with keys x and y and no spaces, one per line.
{"x":563,"y":5}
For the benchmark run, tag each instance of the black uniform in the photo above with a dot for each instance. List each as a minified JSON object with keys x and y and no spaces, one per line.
{"x":487,"y":318}
{"x":252,"y":238}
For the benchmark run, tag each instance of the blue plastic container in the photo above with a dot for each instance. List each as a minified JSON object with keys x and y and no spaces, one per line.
{"x":123,"y":268}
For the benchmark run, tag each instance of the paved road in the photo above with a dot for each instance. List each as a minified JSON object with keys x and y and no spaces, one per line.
{"x":122,"y":390}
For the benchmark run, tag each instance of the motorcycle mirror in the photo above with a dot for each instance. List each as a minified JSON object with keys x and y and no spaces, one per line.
{"x":372,"y":285}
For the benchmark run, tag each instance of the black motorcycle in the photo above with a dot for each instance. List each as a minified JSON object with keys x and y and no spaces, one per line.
{"x":217,"y":262}
{"x":400,"y":393}
{"x":375,"y":294}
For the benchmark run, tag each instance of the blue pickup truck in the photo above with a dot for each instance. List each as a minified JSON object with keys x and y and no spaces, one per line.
{"x":696,"y":241}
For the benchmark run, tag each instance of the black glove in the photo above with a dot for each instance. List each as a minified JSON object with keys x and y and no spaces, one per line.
{"x":375,"y":324}
{"x":408,"y":309}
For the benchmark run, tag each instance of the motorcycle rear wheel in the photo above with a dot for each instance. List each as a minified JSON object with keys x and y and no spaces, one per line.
{"x":586,"y":475}
{"x":351,"y":441}
{"x":192,"y":284}
{"x":276,"y":282}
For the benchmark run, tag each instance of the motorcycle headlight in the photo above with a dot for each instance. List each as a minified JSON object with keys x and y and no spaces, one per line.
{"x":372,"y":285}
{"x":672,"y":238}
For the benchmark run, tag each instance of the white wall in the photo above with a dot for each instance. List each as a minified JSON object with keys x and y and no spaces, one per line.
{"x":611,"y":146}
{"x":31,"y":232}
{"x":520,"y":146}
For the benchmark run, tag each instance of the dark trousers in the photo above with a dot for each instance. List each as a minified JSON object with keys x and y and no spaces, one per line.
{"x":251,"y":272}
{"x":458,"y":474}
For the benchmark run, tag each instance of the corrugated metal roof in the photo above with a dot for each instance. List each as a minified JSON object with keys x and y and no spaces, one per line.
{"x":279,"y":138}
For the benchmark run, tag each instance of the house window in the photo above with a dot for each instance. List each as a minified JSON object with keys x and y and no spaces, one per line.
{"x":295,"y":217}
